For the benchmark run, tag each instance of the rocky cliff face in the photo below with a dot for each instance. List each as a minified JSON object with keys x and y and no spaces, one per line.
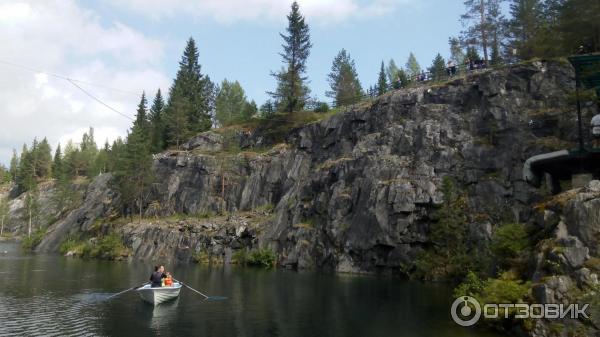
{"x":355,"y":192}
{"x":565,"y":267}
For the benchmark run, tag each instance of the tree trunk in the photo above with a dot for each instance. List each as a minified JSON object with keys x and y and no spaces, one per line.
{"x":29,"y":230}
{"x":2,"y":227}
{"x":141,"y":202}
{"x":483,"y":32}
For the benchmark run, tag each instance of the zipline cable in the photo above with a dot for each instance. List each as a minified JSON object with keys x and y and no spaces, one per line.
{"x":73,"y":82}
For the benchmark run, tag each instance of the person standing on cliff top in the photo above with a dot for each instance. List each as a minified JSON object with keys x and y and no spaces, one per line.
{"x":157,"y":276}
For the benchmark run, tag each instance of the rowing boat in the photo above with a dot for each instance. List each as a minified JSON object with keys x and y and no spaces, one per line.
{"x":159,"y":295}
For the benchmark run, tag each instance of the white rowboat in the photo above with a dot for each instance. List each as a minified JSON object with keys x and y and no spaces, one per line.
{"x":159,"y":295}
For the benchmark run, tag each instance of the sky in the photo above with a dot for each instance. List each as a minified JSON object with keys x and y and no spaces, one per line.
{"x":116,"y":49}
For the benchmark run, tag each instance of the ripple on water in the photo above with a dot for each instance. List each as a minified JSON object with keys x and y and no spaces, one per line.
{"x":49,"y":315}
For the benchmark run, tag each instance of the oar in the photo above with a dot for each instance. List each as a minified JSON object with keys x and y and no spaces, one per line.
{"x":206,"y":297}
{"x":124,"y":291}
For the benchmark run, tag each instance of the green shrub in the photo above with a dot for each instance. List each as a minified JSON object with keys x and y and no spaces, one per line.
{"x":29,"y":243}
{"x":71,"y":245}
{"x":263,"y":257}
{"x":107,"y":247}
{"x":509,"y":241}
{"x":240,"y":257}
{"x":322,"y":107}
{"x":505,"y":289}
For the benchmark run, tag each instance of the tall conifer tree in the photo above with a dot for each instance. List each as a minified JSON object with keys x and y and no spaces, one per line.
{"x":382,"y":85}
{"x":343,"y":80}
{"x":292,"y":92}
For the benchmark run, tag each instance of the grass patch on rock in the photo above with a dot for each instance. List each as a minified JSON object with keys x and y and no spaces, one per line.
{"x":29,"y":243}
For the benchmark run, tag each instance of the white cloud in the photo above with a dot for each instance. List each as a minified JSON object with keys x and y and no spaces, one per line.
{"x":61,"y":37}
{"x":229,"y":11}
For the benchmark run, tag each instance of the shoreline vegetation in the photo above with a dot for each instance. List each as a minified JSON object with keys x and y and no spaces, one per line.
{"x":492,"y":271}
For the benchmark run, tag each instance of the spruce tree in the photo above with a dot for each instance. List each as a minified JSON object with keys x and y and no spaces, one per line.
{"x":343,"y":80}
{"x":413,"y":69}
{"x":133,"y":174}
{"x":292,"y":93}
{"x":178,"y":126}
{"x":44,"y":157}
{"x":192,"y":96}
{"x":438,"y":68}
{"x":141,"y":117}
{"x":382,"y":86}
{"x":157,"y":127}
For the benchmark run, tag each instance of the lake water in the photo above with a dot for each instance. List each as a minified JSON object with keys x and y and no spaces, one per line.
{"x":43,"y":295}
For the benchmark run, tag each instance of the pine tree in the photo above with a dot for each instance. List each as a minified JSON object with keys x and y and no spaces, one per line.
{"x":578,"y":24}
{"x":476,"y":21}
{"x":438,"y":68}
{"x":382,"y":85}
{"x":472,"y":54}
{"x":496,"y":25}
{"x":157,"y":123}
{"x":292,"y":93}
{"x":101,"y":162}
{"x":32,"y":208}
{"x":343,"y":80}
{"x":523,"y":26}
{"x":57,"y":164}
{"x":14,"y":166}
{"x":413,"y":69}
{"x":85,"y":157}
{"x":191,"y":96}
{"x":392,"y":72}
{"x":267,"y":109}
{"x":73,"y":162}
{"x":456,"y":52}
{"x":230,"y":103}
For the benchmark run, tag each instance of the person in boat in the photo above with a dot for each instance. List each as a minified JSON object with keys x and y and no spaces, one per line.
{"x":168,"y":280}
{"x":156,"y":278}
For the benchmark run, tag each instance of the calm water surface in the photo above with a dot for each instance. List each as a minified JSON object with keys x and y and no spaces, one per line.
{"x":56,"y":296}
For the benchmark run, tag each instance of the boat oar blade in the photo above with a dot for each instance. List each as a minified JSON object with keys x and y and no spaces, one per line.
{"x":216,"y":298}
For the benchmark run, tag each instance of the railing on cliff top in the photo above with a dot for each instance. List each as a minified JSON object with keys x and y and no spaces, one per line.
{"x":424,"y":78}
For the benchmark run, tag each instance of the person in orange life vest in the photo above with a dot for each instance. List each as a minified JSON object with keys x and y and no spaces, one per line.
{"x":168,"y":280}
